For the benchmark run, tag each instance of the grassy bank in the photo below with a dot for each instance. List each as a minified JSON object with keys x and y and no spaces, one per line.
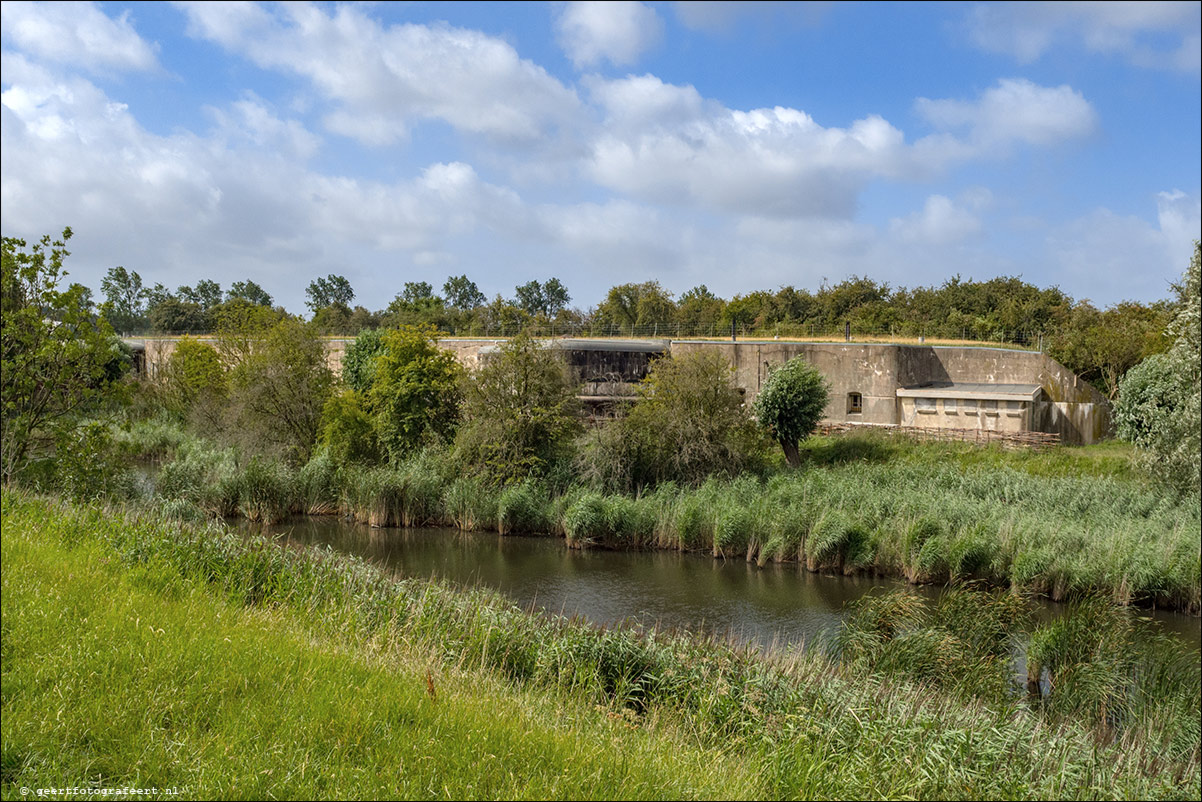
{"x":1065,"y":523}
{"x":139,"y":652}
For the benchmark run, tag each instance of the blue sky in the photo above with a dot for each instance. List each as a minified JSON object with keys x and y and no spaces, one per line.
{"x":744,"y":146}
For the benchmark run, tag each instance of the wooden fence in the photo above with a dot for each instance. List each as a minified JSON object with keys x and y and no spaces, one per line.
{"x":1037,"y":441}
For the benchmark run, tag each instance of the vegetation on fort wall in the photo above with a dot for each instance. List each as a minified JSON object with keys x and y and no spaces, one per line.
{"x":229,"y":667}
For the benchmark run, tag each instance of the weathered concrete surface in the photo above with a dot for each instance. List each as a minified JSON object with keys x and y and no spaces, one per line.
{"x":1068,"y":406}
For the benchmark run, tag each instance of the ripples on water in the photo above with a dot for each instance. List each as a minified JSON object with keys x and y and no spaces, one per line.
{"x":777,"y":605}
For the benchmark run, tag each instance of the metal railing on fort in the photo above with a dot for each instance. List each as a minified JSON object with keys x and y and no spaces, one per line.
{"x":913,"y":334}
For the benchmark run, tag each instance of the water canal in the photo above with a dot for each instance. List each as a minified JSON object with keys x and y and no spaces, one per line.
{"x":781,"y":604}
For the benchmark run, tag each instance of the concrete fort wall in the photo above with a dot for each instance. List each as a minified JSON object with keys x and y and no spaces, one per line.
{"x":1069,"y":406}
{"x":870,"y":370}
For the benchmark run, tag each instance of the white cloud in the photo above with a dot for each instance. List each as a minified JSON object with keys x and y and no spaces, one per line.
{"x":941,"y":221}
{"x":617,"y":31}
{"x":668,"y":144}
{"x":234,"y":203}
{"x":1016,"y":110}
{"x":665,"y":143}
{"x":1106,"y":257}
{"x":1147,"y":34}
{"x":683,"y":188}
{"x":76,"y":33}
{"x":1180,"y":218}
{"x":658,"y":142}
{"x":250,"y":119}
{"x":382,"y":79}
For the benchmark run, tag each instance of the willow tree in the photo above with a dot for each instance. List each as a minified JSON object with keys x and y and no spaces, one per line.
{"x":791,"y":404}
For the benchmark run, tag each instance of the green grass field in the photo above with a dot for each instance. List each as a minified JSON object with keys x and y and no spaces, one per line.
{"x":140,"y":653}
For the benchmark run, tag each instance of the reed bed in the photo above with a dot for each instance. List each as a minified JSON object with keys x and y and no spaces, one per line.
{"x":930,"y":514}
{"x":886,"y":719}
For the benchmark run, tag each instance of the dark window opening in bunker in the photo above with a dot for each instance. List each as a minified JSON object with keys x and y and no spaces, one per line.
{"x":855,"y":403}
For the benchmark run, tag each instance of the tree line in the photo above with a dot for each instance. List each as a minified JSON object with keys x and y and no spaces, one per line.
{"x":1098,"y":344}
{"x":266,"y":383}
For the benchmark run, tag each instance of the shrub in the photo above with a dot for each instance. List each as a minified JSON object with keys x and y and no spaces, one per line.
{"x":1159,"y":407}
{"x":359,"y":361}
{"x":278,"y":390}
{"x":790,"y":405}
{"x":56,"y":356}
{"x":347,"y":432}
{"x":688,"y":423}
{"x":415,"y":396}
{"x":194,"y":374}
{"x":519,"y":411}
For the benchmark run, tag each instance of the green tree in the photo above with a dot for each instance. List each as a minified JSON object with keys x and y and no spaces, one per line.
{"x":1102,"y":346}
{"x":332,"y":289}
{"x":699,"y":312}
{"x":501,"y":318}
{"x":1160,"y":400}
{"x":172,"y":316}
{"x":206,"y":294}
{"x":363,"y":319}
{"x":790,"y":405}
{"x":628,"y":308}
{"x":125,"y":299}
{"x":347,"y":432}
{"x":55,"y":355}
{"x":359,"y":361}
{"x":838,"y":303}
{"x":415,"y":394}
{"x":555,"y":297}
{"x":689,"y":422}
{"x":278,"y":389}
{"x":240,"y":324}
{"x":417,"y":305}
{"x":530,"y":299}
{"x":747,"y":311}
{"x":250,"y":292}
{"x":462,"y":293}
{"x":155,"y":296}
{"x":519,"y":412}
{"x":548,"y":299}
{"x":416,"y":292}
{"x":194,"y":375}
{"x":332,"y":319}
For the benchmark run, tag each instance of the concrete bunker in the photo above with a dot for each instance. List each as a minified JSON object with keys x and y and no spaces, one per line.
{"x":969,"y":405}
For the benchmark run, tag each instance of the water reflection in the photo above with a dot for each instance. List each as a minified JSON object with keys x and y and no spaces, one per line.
{"x":776,"y":604}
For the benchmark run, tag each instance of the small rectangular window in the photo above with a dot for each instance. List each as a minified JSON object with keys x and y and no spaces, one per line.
{"x":925,"y":405}
{"x":855,"y":403}
{"x":1014,"y":408}
{"x":968,"y":406}
{"x":949,"y":406}
{"x":990,"y":407}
